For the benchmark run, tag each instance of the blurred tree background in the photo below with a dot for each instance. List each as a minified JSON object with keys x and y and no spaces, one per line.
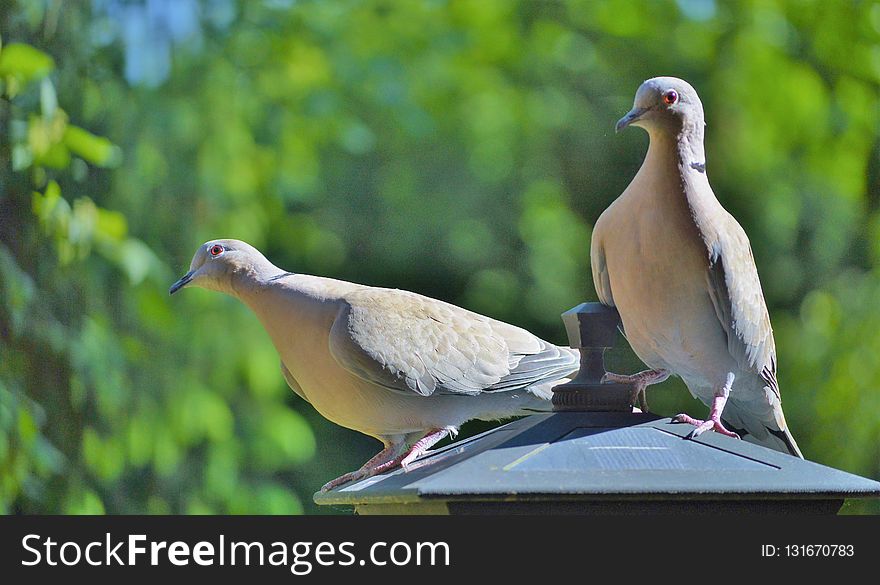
{"x":458,"y":148}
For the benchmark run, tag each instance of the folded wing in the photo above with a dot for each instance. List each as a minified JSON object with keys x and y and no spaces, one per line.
{"x":413,"y":344}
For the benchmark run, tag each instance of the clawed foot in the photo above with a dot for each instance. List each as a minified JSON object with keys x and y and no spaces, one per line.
{"x":640,"y":382}
{"x":701,"y":426}
{"x":386,"y":459}
{"x":362,"y":473}
{"x":390,"y":457}
{"x":351,"y":476}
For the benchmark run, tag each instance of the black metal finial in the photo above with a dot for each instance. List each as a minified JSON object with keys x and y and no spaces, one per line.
{"x":592,"y":328}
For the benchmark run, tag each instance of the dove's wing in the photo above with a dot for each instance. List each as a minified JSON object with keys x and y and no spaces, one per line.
{"x":413,"y":344}
{"x":736,"y":294}
{"x":739,"y":304}
{"x":601,"y":281}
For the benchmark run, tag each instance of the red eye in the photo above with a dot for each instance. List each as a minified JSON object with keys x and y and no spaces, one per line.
{"x":216,"y":250}
{"x":670,"y":97}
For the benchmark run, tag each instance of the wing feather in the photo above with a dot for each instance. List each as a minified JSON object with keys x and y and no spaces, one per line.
{"x":736,"y":294}
{"x":413,"y":344}
{"x":601,"y":280}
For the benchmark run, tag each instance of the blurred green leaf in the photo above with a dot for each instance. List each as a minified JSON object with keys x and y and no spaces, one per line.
{"x":266,"y":498}
{"x":17,"y":288}
{"x":95,"y":149}
{"x":286,"y":440}
{"x":84,"y":502}
{"x":23,"y":63}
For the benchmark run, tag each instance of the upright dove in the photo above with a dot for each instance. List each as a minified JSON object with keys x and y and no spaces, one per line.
{"x":398,"y":366}
{"x":680,"y":270}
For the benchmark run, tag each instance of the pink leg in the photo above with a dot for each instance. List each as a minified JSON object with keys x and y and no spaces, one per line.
{"x":713,"y":423}
{"x":392,"y":456}
{"x":387,"y":458}
{"x":641,"y":381}
{"x":432,"y":438}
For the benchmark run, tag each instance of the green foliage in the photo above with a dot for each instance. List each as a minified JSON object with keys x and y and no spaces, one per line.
{"x":461,"y":149}
{"x":20,"y":64}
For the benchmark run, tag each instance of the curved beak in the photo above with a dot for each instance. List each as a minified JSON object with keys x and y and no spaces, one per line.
{"x":184,"y":280}
{"x":631,"y":116}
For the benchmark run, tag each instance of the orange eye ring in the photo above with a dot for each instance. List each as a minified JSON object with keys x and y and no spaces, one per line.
{"x":216,"y":250}
{"x":670,"y":97}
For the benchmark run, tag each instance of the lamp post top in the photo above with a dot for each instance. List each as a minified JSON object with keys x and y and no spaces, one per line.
{"x":594,"y":454}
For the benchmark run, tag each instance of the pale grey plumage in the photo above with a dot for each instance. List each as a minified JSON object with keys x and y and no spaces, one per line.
{"x":389,"y":363}
{"x":680,"y":270}
{"x":410,"y":343}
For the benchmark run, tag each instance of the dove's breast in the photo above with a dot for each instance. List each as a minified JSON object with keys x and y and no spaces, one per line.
{"x":299,"y":326}
{"x":657,"y":267}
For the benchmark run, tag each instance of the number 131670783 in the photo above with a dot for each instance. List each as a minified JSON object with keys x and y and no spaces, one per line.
{"x":808,"y":550}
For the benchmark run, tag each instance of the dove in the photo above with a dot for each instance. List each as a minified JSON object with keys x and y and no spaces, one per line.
{"x":680,"y":271}
{"x":395,"y":365}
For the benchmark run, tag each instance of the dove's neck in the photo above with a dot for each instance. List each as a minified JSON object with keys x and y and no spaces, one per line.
{"x":273,"y":284}
{"x":689,"y":146}
{"x":296,"y":310}
{"x":683,"y":144}
{"x":675,"y":171}
{"x":676,"y":163}
{"x":245,"y":279}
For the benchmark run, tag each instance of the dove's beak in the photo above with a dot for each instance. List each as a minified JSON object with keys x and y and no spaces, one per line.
{"x":631,"y":116}
{"x":184,"y":280}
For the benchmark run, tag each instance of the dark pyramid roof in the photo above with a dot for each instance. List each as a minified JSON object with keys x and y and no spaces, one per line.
{"x":603,"y":456}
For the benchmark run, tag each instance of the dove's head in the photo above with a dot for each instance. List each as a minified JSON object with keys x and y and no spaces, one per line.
{"x":665,"y":103}
{"x":220,"y":264}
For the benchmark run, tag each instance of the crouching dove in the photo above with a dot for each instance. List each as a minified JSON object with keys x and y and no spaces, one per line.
{"x":403,"y":368}
{"x":679,"y":269}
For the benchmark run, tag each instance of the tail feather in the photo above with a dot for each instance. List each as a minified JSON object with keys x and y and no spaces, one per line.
{"x":778,"y":440}
{"x":754,"y":411}
{"x":786,"y":437}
